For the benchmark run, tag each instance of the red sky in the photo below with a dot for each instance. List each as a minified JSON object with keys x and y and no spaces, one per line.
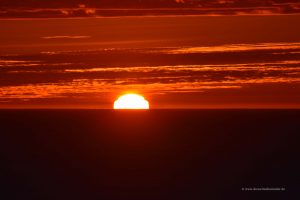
{"x":178,"y":53}
{"x":176,"y":62}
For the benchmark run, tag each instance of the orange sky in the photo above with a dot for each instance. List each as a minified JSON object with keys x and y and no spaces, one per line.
{"x":176,"y":61}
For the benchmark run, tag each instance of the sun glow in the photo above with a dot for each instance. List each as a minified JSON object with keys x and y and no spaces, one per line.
{"x":131,"y":101}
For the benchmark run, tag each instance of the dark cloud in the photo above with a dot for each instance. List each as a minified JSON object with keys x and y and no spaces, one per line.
{"x":140,"y":4}
{"x":85,"y":8}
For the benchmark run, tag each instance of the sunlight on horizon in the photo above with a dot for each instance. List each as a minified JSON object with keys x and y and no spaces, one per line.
{"x":131,"y":101}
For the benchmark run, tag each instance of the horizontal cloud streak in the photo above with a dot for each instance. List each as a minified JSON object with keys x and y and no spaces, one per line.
{"x":86,"y":86}
{"x":96,"y":12}
{"x":66,"y":37}
{"x":237,"y":48}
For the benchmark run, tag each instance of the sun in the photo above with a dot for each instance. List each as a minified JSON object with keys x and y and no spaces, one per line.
{"x":131,"y":101}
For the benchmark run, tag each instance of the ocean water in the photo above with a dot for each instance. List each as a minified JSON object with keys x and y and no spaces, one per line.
{"x":155,"y":154}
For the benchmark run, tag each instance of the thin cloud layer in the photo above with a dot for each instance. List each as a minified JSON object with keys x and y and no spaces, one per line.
{"x":66,"y":37}
{"x":58,"y":75}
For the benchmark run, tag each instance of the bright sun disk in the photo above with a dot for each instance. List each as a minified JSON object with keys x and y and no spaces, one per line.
{"x":131,"y":101}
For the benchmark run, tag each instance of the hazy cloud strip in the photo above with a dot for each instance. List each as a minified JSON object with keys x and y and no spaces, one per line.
{"x":66,"y":37}
{"x":109,"y":8}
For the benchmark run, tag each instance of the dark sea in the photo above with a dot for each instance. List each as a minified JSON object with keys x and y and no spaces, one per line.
{"x":155,"y":154}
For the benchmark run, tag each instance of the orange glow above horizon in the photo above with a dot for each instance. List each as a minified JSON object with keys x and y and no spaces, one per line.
{"x":131,"y":101}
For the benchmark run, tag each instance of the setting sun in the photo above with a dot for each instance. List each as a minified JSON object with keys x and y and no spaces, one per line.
{"x":131,"y":101}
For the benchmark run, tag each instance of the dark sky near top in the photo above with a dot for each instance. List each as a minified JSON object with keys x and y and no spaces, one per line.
{"x":96,"y":8}
{"x":143,"y":3}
